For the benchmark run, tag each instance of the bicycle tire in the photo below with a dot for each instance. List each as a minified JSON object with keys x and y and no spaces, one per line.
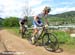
{"x":30,"y":40}
{"x":49,"y":43}
{"x":23,"y":32}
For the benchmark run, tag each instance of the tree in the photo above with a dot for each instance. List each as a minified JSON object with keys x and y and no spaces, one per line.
{"x":1,"y":20}
{"x":27,"y":11}
{"x":11,"y":22}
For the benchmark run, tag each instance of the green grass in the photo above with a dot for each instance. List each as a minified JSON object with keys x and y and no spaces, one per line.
{"x":14,"y":30}
{"x":63,"y":37}
{"x":66,"y":42}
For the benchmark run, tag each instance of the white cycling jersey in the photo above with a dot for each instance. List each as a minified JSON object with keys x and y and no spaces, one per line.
{"x":41,"y":15}
{"x":39,"y":22}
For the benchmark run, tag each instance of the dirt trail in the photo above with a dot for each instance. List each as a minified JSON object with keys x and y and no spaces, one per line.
{"x":12,"y":43}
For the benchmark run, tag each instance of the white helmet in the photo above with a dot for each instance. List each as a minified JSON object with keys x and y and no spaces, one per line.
{"x":47,"y":9}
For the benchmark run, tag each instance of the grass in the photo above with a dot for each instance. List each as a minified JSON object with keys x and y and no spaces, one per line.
{"x":14,"y":30}
{"x":66,"y":42}
{"x":63,"y":37}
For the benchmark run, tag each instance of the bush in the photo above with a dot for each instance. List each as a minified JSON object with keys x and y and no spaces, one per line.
{"x":11,"y":22}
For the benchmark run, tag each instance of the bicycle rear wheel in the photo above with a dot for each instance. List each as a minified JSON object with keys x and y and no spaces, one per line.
{"x":32,"y":41}
{"x":30,"y":36}
{"x":50,"y":42}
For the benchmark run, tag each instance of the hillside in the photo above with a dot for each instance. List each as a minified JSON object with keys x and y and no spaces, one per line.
{"x":64,"y":15}
{"x":63,"y":18}
{"x":58,"y":19}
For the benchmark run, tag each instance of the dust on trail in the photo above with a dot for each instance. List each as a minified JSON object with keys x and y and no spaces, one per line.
{"x":18,"y":46}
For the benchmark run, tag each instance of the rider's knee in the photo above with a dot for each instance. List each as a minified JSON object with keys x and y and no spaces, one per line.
{"x":36,"y":30}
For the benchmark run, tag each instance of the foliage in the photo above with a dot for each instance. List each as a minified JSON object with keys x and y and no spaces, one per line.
{"x":58,"y":19}
{"x":63,"y":18}
{"x":11,"y":22}
{"x":1,"y":20}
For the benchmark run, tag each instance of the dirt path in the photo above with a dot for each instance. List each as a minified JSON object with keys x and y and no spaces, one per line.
{"x":18,"y":46}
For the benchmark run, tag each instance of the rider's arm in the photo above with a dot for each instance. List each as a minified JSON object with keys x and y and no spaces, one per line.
{"x":36,"y":20}
{"x":46,"y":20}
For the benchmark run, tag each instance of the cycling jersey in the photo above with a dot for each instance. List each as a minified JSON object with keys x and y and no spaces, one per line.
{"x":39,"y":22}
{"x":22,"y":21}
{"x":41,"y":15}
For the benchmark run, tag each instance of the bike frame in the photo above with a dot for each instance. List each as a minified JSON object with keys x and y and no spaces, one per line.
{"x":44,"y":31}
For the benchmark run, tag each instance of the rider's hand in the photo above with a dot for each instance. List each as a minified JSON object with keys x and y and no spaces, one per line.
{"x":41,"y":25}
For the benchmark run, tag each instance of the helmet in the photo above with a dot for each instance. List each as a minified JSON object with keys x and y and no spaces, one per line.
{"x":47,"y":8}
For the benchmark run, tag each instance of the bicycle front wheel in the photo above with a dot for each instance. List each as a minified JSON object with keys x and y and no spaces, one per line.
{"x":50,"y":42}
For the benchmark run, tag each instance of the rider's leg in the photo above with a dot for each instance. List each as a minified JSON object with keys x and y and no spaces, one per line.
{"x":20,"y":30}
{"x":35,"y":31}
{"x":34,"y":35}
{"x":21,"y":27}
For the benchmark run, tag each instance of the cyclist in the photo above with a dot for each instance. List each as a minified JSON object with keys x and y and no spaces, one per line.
{"x":38,"y":23}
{"x":23,"y":23}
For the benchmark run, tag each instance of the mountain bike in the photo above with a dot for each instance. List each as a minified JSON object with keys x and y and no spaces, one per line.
{"x":24,"y":32}
{"x":49,"y":40}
